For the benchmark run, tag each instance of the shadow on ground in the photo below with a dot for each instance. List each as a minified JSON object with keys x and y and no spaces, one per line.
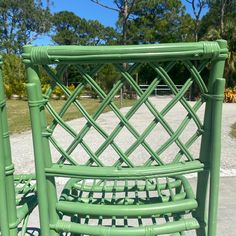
{"x":31,"y":231}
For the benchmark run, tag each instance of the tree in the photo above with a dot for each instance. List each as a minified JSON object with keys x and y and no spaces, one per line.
{"x":124,"y":9}
{"x":71,"y":29}
{"x":21,"y":22}
{"x":150,"y":21}
{"x":210,"y":30}
{"x":197,"y":7}
{"x":160,"y":21}
{"x":225,"y":6}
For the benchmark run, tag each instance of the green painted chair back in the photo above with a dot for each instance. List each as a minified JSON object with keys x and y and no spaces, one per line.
{"x":17,"y":197}
{"x":134,"y":170}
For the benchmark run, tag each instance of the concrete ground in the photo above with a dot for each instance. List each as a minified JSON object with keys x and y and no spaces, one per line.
{"x":23,"y":154}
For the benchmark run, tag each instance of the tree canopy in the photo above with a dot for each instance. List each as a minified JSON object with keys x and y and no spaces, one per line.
{"x":21,"y":23}
{"x":69,"y":28}
{"x":138,"y":22}
{"x":159,"y":21}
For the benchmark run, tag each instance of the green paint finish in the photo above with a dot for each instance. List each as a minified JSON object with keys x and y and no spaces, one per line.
{"x":17,"y":193}
{"x":125,"y":196}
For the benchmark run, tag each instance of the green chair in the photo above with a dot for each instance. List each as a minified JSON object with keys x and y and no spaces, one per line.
{"x":124,"y":185}
{"x":17,"y":192}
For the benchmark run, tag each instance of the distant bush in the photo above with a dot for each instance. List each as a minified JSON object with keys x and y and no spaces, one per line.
{"x":14,"y":75}
{"x":230,"y":95}
{"x":14,"y":78}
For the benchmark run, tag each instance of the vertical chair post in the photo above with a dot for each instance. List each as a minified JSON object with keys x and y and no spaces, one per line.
{"x":13,"y":210}
{"x":216,"y":89}
{"x":215,"y":155}
{"x":203,"y":177}
{"x":39,"y":163}
{"x":4,"y":222}
{"x":8,"y":171}
{"x":210,"y":148}
{"x":47,"y":200}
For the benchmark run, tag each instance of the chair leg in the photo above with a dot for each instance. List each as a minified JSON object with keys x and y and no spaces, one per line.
{"x":201,"y":213}
{"x":4,"y":218}
{"x":213,"y":204}
{"x":11,"y":205}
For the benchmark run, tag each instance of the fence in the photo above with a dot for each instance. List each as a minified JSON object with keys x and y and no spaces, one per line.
{"x":160,"y":89}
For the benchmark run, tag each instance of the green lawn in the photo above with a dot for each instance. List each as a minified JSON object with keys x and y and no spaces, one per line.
{"x":18,"y":113}
{"x":233,"y":130}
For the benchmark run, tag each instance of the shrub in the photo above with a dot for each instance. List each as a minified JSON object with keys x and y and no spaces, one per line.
{"x":71,"y":87}
{"x":8,"y":90}
{"x":230,"y":95}
{"x":45,"y":88}
{"x":57,"y":91}
{"x":14,"y":75}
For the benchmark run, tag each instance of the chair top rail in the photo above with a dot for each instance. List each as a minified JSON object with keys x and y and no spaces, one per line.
{"x":126,"y":53}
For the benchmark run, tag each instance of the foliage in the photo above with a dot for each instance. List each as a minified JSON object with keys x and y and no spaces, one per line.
{"x":21,"y":23}
{"x":139,"y":22}
{"x":71,"y":87}
{"x":71,"y":29}
{"x":178,"y":72}
{"x":44,"y":88}
{"x":197,"y":9}
{"x":124,"y":9}
{"x":44,"y":77}
{"x":72,"y":76}
{"x":13,"y":74}
{"x":57,"y":90}
{"x":159,"y":21}
{"x":107,"y":77}
{"x":230,"y":5}
{"x":149,"y":21}
{"x":211,"y":31}
{"x":230,"y":95}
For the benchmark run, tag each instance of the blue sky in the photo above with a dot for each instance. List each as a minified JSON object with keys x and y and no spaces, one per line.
{"x":88,"y":10}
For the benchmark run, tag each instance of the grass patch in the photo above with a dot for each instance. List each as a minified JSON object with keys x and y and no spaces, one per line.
{"x":18,"y":112}
{"x":233,"y":130}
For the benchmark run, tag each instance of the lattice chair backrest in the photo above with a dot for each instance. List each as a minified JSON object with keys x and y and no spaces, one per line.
{"x":130,"y":151}
{"x":131,"y":146}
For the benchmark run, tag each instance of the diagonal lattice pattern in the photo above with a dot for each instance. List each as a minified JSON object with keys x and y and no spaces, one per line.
{"x":109,"y":144}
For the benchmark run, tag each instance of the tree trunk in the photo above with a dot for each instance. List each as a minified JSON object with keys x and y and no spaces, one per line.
{"x":222,"y":13}
{"x":124,"y":22}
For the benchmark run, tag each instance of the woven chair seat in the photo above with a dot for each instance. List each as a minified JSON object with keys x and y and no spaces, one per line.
{"x":138,"y":205}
